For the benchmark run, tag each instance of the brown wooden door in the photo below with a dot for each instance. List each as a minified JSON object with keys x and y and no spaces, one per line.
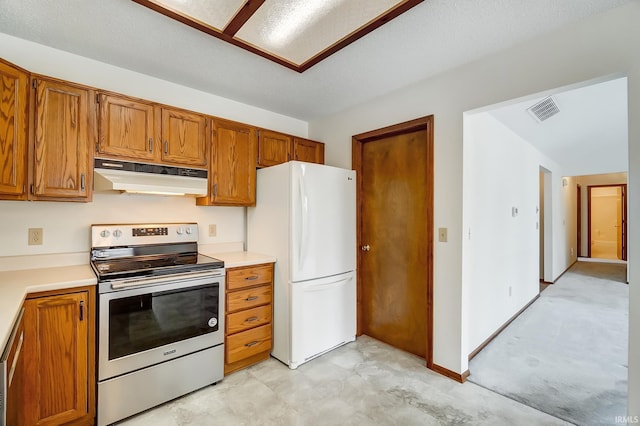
{"x":126,"y":129}
{"x":395,"y":219}
{"x":14,"y":92}
{"x":273,"y":148}
{"x":183,"y":137}
{"x":308,"y":150}
{"x":64,"y":138}
{"x":56,"y":359}
{"x":233,"y":164}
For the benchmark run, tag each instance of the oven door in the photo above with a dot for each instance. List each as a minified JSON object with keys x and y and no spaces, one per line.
{"x":144,"y":326}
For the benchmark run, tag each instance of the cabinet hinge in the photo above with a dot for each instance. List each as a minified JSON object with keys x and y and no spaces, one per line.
{"x":97,"y":98}
{"x":81,"y":310}
{"x":34,"y":83}
{"x":31,"y":189}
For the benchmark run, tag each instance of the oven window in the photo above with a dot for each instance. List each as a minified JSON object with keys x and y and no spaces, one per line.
{"x":150,"y":320}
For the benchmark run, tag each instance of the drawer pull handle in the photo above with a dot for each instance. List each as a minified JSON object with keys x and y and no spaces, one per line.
{"x":255,"y":342}
{"x":251,"y":298}
{"x":252,"y":319}
{"x":253,"y":277}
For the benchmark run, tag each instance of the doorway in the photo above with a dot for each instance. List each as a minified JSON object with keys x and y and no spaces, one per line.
{"x":607,"y":222}
{"x":545,"y":228}
{"x":394,"y":168}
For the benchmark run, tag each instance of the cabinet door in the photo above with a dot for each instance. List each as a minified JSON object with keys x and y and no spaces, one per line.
{"x":273,"y":148}
{"x":64,"y":136}
{"x":308,"y":150}
{"x":57,"y":361}
{"x":126,"y":128}
{"x":233,"y":164}
{"x":14,"y":90}
{"x":183,"y":137}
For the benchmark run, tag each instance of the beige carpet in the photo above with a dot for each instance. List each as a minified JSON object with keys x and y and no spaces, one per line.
{"x":566,"y":354}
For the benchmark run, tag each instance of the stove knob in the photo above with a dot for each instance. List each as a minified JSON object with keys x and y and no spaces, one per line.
{"x":180,"y":230}
{"x":104,"y":233}
{"x":117,"y":233}
{"x":189,"y":230}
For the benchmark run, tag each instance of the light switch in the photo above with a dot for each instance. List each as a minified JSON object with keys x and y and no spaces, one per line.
{"x":442,"y":235}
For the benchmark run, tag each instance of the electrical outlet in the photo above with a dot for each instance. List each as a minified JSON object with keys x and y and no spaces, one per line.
{"x":442,"y":235}
{"x":212,"y":230}
{"x":35,"y":236}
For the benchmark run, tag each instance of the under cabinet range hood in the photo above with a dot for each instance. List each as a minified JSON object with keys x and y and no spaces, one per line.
{"x":124,"y":176}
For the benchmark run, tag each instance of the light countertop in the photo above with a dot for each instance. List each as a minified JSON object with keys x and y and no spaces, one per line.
{"x":15,"y":285}
{"x":235,"y":259}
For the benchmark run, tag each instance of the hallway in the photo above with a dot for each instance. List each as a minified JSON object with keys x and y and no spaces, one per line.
{"x":566,"y":354}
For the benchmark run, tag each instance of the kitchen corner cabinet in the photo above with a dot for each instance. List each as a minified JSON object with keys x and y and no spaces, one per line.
{"x":58,"y":380}
{"x":232,"y":175}
{"x":64,"y":135}
{"x":14,"y":97}
{"x":273,"y":148}
{"x":248,"y":319}
{"x":308,"y":150}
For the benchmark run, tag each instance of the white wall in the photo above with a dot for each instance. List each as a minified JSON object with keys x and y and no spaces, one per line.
{"x":592,"y":180}
{"x":66,"y":225}
{"x":597,"y":46}
{"x":501,"y":257}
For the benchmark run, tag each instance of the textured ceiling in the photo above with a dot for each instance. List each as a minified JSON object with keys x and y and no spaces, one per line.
{"x":432,"y":37}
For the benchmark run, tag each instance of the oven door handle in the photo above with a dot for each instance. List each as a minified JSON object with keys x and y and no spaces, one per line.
{"x":166,"y":279}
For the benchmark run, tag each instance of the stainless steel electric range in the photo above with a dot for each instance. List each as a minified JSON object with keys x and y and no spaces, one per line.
{"x":161,"y":316}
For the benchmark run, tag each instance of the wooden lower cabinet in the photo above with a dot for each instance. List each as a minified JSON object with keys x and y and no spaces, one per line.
{"x":249,"y":313}
{"x":58,"y":380}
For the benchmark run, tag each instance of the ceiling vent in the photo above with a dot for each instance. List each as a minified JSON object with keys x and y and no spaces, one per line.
{"x":544,"y":109}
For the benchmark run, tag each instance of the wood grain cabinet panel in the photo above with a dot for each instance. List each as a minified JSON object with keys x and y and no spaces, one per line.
{"x":249,"y":316}
{"x":273,"y":148}
{"x":59,"y":378}
{"x":126,"y":128}
{"x":250,"y":276}
{"x":308,"y":150}
{"x":14,"y":96}
{"x":232,"y":175}
{"x":64,"y":135}
{"x":183,"y":136}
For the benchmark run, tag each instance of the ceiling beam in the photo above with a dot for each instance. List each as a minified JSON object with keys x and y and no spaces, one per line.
{"x":242,"y":16}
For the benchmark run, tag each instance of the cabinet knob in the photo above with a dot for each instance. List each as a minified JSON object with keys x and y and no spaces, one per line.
{"x":365,"y":248}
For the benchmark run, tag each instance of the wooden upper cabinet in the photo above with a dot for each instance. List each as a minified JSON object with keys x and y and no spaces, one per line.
{"x":273,"y":148}
{"x":64,"y":137}
{"x":308,"y":150}
{"x":232,"y":176}
{"x":59,"y":373}
{"x":14,"y":96}
{"x":126,"y":128}
{"x":183,"y":136}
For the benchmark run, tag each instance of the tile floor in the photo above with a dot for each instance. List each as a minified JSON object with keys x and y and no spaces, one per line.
{"x":363,"y":383}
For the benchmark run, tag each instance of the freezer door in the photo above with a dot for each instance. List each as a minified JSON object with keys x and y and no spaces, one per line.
{"x":323,"y":316}
{"x":323,"y":221}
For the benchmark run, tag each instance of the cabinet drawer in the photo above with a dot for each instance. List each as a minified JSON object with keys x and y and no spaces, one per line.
{"x":247,"y":319}
{"x":246,"y":277}
{"x":250,"y":298}
{"x":248,"y":343}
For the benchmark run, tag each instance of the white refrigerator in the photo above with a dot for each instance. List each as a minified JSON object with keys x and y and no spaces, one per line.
{"x":305,"y":215}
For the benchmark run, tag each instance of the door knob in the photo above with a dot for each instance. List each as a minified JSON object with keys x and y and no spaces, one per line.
{"x":365,"y":248}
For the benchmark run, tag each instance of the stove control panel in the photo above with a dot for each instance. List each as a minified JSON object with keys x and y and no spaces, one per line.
{"x":147,"y":232}
{"x":138,"y":234}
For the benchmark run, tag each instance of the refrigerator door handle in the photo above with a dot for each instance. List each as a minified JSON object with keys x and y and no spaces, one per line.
{"x":304,"y":223}
{"x":325,"y":286}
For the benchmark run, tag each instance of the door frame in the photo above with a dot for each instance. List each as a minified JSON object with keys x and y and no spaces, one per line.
{"x":358,"y":141}
{"x":625,"y":240}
